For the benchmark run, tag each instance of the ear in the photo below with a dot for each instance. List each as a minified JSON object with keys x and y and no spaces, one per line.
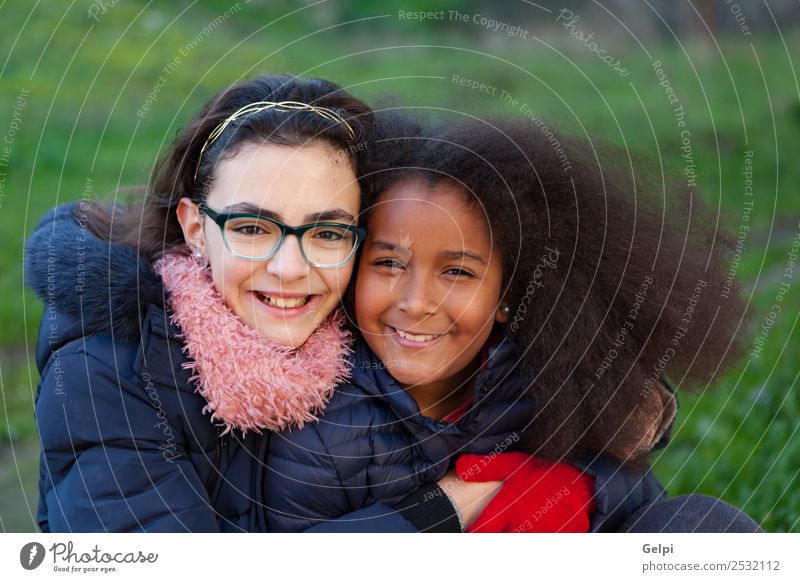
{"x":503,"y":313}
{"x":191,"y":222}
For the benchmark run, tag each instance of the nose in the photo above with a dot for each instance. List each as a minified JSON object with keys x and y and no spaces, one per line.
{"x":416,"y":295}
{"x":288,"y":264}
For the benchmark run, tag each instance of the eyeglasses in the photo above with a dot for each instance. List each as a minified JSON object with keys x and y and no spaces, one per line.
{"x":327,"y":245}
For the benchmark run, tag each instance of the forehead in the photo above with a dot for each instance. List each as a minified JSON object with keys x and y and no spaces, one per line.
{"x":444,"y":210}
{"x":287,"y":180}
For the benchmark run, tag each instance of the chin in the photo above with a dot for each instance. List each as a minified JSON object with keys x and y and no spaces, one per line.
{"x":414,"y":379}
{"x":291,"y":339}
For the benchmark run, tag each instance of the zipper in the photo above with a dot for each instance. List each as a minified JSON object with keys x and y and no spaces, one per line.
{"x":259,"y":493}
{"x":217,"y":466}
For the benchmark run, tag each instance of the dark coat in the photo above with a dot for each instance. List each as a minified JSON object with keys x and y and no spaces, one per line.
{"x":126,"y":445}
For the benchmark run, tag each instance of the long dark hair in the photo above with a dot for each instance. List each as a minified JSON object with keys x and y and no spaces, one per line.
{"x":151,"y":225}
{"x":615,"y":280}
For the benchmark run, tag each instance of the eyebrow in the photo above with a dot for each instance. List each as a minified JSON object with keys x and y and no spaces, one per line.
{"x":335,"y":214}
{"x":385,"y":245}
{"x":458,"y":255}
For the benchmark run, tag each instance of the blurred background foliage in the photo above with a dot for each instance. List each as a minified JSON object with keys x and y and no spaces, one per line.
{"x":77,"y":77}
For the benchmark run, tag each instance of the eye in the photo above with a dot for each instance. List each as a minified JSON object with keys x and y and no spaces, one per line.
{"x":249,"y":230}
{"x":244,"y":228}
{"x":329,"y":235}
{"x":391,"y":264}
{"x":459,"y":272}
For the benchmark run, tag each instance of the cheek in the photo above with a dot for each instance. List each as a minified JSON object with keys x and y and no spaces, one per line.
{"x":360,"y":306}
{"x":337,"y":280}
{"x":219,"y":261}
{"x":477,"y":314}
{"x":228,"y":275}
{"x":368,"y":300}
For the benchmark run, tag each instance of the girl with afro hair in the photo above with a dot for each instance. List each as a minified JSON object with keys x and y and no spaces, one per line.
{"x":613,"y":294}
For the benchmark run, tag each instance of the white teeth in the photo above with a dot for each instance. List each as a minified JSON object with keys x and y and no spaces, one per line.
{"x":284,"y":303}
{"x":416,"y":338}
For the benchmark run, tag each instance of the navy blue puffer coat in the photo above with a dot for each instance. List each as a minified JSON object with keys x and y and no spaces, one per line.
{"x":126,"y":446}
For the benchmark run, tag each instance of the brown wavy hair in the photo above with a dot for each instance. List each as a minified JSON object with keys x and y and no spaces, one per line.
{"x":149,"y":223}
{"x":615,"y":278}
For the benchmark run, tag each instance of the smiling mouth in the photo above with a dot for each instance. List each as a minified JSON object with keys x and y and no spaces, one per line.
{"x":282,"y":302}
{"x":420,"y":338}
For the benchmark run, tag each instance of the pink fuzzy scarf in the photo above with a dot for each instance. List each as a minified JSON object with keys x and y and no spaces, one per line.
{"x":249,"y":381}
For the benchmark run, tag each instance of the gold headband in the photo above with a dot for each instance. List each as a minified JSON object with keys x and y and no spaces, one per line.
{"x":262,"y":106}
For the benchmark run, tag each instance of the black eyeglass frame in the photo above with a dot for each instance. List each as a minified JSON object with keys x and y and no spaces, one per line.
{"x":220,"y":218}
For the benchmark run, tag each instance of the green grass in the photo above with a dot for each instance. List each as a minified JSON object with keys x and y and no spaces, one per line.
{"x":80,"y":121}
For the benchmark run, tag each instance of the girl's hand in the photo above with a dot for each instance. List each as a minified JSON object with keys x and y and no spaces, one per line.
{"x":470,"y":499}
{"x":537,"y":495}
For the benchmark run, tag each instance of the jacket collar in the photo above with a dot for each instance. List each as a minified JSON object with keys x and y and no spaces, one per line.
{"x":497,"y":382}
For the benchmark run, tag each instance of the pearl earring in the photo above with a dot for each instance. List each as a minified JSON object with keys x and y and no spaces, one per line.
{"x":197,"y":254}
{"x":505,"y":310}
